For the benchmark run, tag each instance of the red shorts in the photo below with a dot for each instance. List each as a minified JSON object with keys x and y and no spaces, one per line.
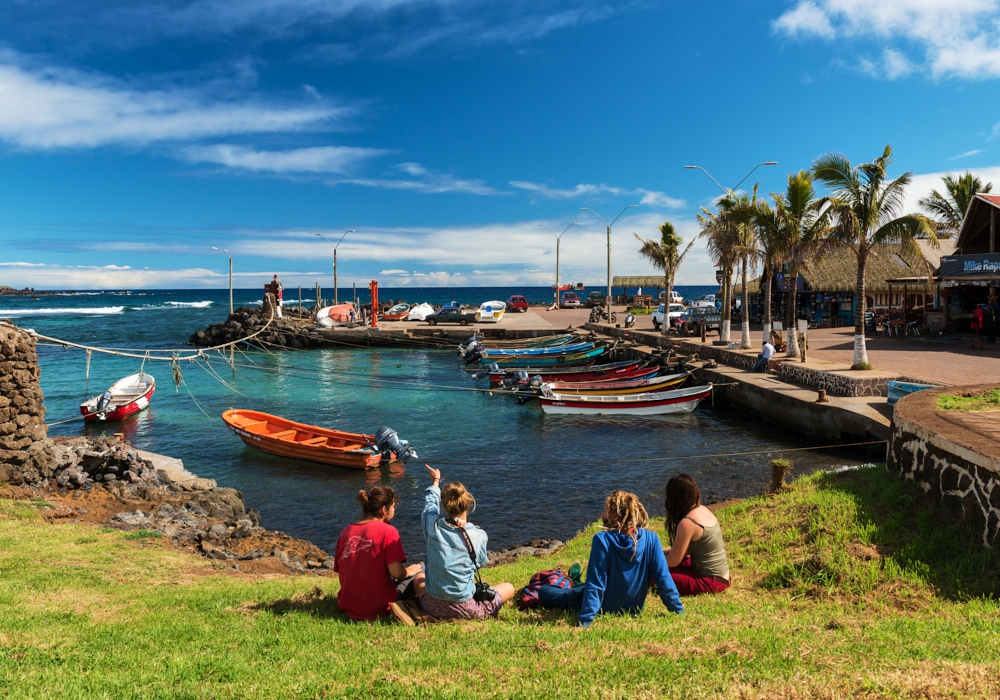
{"x":690,"y":582}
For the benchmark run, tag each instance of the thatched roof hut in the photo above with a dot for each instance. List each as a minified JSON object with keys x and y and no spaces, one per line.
{"x":638,"y":281}
{"x":837,"y":270}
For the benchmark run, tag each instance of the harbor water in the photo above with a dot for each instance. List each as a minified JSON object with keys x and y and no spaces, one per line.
{"x":532,"y":475}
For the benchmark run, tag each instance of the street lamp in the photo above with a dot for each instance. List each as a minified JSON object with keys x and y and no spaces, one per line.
{"x":558,"y":238}
{"x":607,"y":301}
{"x":230,"y":277}
{"x":724,"y":330}
{"x":351,"y":230}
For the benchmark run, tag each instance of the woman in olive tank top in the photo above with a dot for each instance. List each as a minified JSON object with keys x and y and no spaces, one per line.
{"x":697,"y":555}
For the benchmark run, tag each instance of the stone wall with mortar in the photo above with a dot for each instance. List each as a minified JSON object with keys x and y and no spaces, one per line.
{"x":951,"y":460}
{"x":25,"y":454}
{"x":835,"y":383}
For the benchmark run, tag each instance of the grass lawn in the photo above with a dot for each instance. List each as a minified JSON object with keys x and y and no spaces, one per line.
{"x":988,"y":401}
{"x":843,"y":587}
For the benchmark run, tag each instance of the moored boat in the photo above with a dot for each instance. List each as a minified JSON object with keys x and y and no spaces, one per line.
{"x":626,"y":386}
{"x":660,"y":403}
{"x":491,"y":312}
{"x":311,"y":443}
{"x":338,"y":315}
{"x":547,"y":350}
{"x":396,"y":313}
{"x":124,"y":398}
{"x":620,"y":370}
{"x":574,"y":359}
{"x":420,"y":312}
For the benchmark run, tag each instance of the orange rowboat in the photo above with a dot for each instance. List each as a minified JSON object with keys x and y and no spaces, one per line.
{"x":286,"y":438}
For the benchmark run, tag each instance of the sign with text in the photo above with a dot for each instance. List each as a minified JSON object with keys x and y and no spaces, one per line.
{"x":961,"y":265}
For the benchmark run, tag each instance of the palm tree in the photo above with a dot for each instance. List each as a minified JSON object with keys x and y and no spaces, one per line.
{"x":804,"y":225}
{"x":950,"y":209}
{"x":721,"y":243}
{"x":665,"y":255}
{"x":866,"y":207}
{"x":740,"y":211}
{"x":770,"y":240}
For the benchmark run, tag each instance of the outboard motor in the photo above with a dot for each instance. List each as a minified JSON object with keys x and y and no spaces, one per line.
{"x":468,"y":344}
{"x":536,"y":381}
{"x":386,"y":440}
{"x":516,"y":379}
{"x":475,"y":353}
{"x":491,"y":368}
{"x":102,"y":403}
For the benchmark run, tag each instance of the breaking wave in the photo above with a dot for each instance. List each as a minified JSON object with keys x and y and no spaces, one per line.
{"x":190,"y":304}
{"x":98,"y":310}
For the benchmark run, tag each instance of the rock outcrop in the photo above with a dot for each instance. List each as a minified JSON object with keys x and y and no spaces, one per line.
{"x":288,"y":331}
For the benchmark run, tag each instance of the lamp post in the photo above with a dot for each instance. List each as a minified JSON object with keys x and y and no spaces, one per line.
{"x":350,"y":230}
{"x":724,"y":331}
{"x":230,"y":277}
{"x":559,"y":238}
{"x":607,"y":301}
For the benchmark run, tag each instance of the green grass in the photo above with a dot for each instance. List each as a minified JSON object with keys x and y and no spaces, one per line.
{"x":843,"y":587}
{"x":988,"y":401}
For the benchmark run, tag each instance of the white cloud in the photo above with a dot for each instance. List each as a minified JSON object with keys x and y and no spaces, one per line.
{"x":922,"y":184}
{"x":394,"y":272}
{"x":650,"y":197}
{"x":967,"y":154}
{"x":53,"y":107}
{"x":323,"y":159}
{"x":423,"y":180}
{"x":956,"y":39}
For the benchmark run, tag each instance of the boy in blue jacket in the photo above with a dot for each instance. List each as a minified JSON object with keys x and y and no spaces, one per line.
{"x":623,"y":560}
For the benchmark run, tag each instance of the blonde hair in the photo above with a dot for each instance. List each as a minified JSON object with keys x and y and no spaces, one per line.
{"x":626,"y":515}
{"x":457,"y":500}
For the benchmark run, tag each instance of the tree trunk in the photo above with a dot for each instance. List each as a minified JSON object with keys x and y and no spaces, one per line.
{"x":669,"y":279}
{"x":860,"y":348}
{"x":767,"y":278}
{"x":791,"y":317}
{"x":745,"y":343}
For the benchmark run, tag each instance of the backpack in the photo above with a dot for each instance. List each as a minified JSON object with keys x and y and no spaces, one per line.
{"x":529,"y":594}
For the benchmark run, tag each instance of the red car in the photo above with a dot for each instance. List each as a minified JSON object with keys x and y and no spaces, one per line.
{"x":570,"y":299}
{"x":517,"y":303}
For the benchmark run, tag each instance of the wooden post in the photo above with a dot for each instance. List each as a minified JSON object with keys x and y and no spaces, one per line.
{"x":319,"y":302}
{"x":993,"y":229}
{"x":300,"y":299}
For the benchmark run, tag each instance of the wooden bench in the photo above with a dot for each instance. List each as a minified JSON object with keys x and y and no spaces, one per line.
{"x":284,"y":434}
{"x":314,"y":442}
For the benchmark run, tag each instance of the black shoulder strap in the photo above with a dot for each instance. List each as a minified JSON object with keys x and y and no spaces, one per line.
{"x":468,"y":544}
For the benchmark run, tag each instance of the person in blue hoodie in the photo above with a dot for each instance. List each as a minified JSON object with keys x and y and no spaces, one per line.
{"x":624,"y":559}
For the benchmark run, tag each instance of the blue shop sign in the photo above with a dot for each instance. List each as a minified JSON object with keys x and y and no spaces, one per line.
{"x":960,"y":265}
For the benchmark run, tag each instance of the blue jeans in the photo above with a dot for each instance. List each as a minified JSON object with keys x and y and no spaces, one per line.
{"x":761,"y":362}
{"x":562,"y":598}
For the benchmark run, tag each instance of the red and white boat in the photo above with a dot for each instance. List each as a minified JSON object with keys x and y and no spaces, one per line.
{"x":124,"y":398}
{"x":628,"y":369}
{"x":679,"y":401}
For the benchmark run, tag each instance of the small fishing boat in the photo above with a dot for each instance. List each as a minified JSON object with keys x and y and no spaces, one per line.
{"x":338,"y":315}
{"x":898,"y":390}
{"x":124,"y":398}
{"x":286,"y":438}
{"x":572,"y":359}
{"x":620,"y":370}
{"x":491,"y":312}
{"x":660,"y":403}
{"x":396,"y":313}
{"x":622,"y":387}
{"x":522,"y":352}
{"x":420,"y":312}
{"x":549,"y":342}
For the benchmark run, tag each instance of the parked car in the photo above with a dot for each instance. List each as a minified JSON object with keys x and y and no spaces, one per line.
{"x":675,"y":297}
{"x":570,"y":299}
{"x":451,"y":315}
{"x":676,"y":310}
{"x":692,"y":320}
{"x":595,"y":299}
{"x":516,"y":302}
{"x":704,"y":300}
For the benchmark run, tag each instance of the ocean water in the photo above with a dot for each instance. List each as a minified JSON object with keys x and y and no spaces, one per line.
{"x":532,"y":475}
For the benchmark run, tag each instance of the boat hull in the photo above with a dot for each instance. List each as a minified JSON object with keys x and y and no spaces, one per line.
{"x":620,"y":370}
{"x":639,"y":386}
{"x":588,"y":357}
{"x":497,"y":353}
{"x":285,"y":438}
{"x":680,"y":401}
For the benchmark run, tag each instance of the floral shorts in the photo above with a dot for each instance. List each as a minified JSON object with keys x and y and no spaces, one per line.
{"x":466,"y":610}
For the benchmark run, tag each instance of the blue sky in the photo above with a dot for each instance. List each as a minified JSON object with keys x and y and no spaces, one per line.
{"x":135,"y":136}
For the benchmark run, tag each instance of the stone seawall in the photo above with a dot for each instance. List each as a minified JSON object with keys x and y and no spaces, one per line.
{"x":25,"y":454}
{"x":953,"y":456}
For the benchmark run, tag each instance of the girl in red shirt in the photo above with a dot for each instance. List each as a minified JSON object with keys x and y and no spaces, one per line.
{"x":369,"y":558}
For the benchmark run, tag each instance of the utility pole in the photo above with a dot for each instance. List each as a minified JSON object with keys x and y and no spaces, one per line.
{"x":558,"y":239}
{"x":336,"y":300}
{"x":230,"y":277}
{"x":607,"y":300}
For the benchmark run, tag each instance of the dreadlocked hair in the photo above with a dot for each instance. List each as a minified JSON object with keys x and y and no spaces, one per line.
{"x":626,"y":515}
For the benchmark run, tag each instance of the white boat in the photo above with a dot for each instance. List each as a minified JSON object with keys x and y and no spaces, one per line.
{"x":338,"y":315}
{"x":491,"y":312}
{"x":124,"y":398}
{"x":653,"y":404}
{"x":420,"y":312}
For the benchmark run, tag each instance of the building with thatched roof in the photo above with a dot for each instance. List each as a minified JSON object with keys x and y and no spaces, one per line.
{"x":826,"y":285}
{"x":970,"y":276}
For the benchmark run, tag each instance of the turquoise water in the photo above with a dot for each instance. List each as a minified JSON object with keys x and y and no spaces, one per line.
{"x":533,"y":475}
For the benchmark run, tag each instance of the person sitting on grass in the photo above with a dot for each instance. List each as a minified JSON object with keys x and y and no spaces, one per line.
{"x":624,"y":558}
{"x":766,"y":353}
{"x":697,"y":555}
{"x":369,"y":558}
{"x":448,"y":584}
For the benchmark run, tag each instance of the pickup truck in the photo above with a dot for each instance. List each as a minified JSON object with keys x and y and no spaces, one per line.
{"x":594,"y":299}
{"x":516,"y":302}
{"x":676,"y":311}
{"x":451,"y":315}
{"x":692,"y":320}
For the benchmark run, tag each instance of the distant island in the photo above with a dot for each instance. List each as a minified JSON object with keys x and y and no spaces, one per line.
{"x":6,"y":291}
